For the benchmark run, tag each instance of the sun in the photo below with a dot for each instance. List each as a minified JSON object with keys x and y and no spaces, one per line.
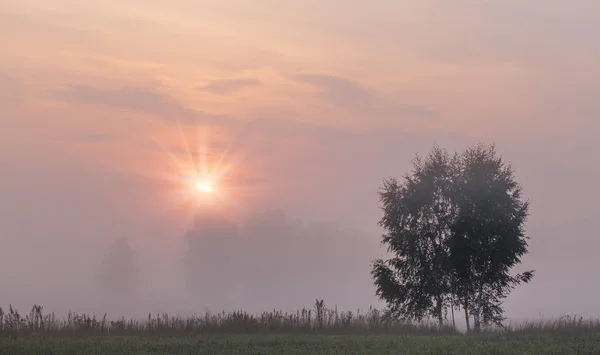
{"x":202,"y":179}
{"x":203,"y":186}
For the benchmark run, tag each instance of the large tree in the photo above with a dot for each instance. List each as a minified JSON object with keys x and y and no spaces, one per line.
{"x":418,"y":216}
{"x":488,"y":237}
{"x":454,"y":229}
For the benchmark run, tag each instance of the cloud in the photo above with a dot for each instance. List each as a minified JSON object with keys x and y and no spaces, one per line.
{"x":141,"y":100}
{"x":84,"y":138}
{"x":228,"y":86}
{"x":107,"y":62}
{"x":339,"y":91}
{"x":212,"y":148}
{"x":6,"y":80}
{"x":171,"y":110}
{"x":416,"y":111}
{"x":354,"y":96}
{"x":9,"y":88}
{"x":473,"y":34}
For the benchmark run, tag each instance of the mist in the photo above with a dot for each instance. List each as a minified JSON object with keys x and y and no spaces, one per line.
{"x":312,"y":104}
{"x":87,"y":240}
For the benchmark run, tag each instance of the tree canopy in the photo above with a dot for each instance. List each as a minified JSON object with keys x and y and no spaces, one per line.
{"x":454,"y":230}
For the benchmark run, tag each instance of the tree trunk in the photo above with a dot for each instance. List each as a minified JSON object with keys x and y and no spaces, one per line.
{"x":477,"y":311}
{"x":476,"y":320}
{"x":452,"y":310}
{"x":439,"y":308}
{"x":466,"y":306}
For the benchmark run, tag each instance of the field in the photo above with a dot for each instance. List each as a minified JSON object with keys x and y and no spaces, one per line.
{"x":310,"y":344}
{"x":546,"y":344}
{"x":315,"y":331}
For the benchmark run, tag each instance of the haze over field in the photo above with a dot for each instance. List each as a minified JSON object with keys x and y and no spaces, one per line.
{"x":320,"y":101}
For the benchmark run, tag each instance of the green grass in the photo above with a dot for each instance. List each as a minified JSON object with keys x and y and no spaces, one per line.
{"x":487,"y":344}
{"x":308,"y":331}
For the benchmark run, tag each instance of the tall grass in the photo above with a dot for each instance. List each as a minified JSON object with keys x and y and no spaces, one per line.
{"x":563,"y":324}
{"x":320,"y":319}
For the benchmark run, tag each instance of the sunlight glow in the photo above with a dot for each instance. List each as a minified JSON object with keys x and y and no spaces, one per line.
{"x":204,"y":186}
{"x":199,"y":177}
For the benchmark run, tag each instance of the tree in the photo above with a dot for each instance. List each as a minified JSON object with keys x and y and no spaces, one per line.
{"x":212,"y":260}
{"x":488,"y":236}
{"x":418,"y":216}
{"x":454,"y":227}
{"x":118,"y":275}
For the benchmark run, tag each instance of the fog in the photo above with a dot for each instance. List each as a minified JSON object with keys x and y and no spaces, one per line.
{"x":87,"y":241}
{"x":312,"y":104}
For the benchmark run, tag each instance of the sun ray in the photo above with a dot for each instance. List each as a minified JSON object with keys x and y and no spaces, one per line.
{"x":243,"y":130}
{"x":187,"y":148}
{"x":161,"y":176}
{"x":174,"y":201}
{"x":203,"y":147}
{"x":206,"y":181}
{"x":232,"y":164}
{"x":170,"y":154}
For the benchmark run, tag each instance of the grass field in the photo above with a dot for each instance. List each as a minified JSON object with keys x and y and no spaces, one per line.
{"x":521,"y":344}
{"x":313,"y":331}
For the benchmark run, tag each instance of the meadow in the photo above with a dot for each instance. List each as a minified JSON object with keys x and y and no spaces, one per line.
{"x":307,"y":331}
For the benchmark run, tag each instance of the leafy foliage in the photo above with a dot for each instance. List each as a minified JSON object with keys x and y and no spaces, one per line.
{"x":488,"y":238}
{"x":418,"y":217}
{"x":454,"y":229}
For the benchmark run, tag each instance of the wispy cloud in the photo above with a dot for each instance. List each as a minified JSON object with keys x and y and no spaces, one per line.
{"x":359,"y":98}
{"x":141,"y":100}
{"x":228,"y":86}
{"x":83,"y":138}
{"x":169,"y":109}
{"x":339,"y":91}
{"x":212,"y":148}
{"x":9,"y":88}
{"x":107,"y":62}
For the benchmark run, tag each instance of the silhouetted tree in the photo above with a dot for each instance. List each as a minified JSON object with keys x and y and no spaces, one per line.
{"x":488,"y":236}
{"x":212,"y":260}
{"x":118,"y":275}
{"x":454,"y":227}
{"x":418,"y":215}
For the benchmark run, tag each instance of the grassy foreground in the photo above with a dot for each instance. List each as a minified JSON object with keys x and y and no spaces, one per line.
{"x":308,"y":331}
{"x":516,"y":344}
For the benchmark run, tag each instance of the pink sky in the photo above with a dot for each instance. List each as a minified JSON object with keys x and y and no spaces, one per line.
{"x":335,"y":96}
